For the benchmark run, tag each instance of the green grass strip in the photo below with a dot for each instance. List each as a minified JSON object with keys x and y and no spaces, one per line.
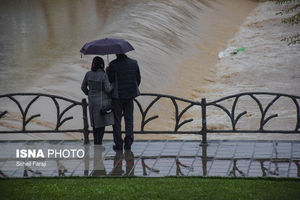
{"x":149,"y":188}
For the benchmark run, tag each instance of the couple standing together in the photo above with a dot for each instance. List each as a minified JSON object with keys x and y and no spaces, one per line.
{"x":110,"y":96}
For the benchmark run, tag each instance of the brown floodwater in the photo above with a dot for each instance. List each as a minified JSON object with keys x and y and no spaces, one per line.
{"x":176,"y":42}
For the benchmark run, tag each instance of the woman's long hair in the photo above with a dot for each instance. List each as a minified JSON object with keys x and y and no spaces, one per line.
{"x":98,"y":63}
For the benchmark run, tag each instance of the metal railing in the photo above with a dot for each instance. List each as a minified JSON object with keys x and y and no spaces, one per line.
{"x":60,"y":119}
{"x":144,"y":111}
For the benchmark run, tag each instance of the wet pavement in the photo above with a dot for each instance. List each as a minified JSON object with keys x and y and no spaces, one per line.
{"x":151,"y":159}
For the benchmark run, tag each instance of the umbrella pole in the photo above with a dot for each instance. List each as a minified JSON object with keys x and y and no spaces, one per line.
{"x":107,"y":60}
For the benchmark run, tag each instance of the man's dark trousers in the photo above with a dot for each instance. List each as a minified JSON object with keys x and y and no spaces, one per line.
{"x":120,"y":107}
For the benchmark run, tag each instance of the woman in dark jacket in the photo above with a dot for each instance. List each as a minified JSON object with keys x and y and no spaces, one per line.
{"x":97,"y":86}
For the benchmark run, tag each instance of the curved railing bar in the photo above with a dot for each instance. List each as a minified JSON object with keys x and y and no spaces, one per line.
{"x":230,"y":115}
{"x":64,"y":120}
{"x":160,"y":95}
{"x":184,"y":122}
{"x":181,"y":114}
{"x":144,"y":113}
{"x":224,"y":109}
{"x":18,"y":104}
{"x":270,"y":117}
{"x":252,"y":131}
{"x":253,"y":93}
{"x":42,"y":95}
{"x":171,"y":97}
{"x":139,"y":105}
{"x":53,"y":97}
{"x":258,"y":103}
{"x":30,"y":118}
{"x":26,"y":111}
{"x":176,"y":113}
{"x":21,"y":110}
{"x":233,"y":120}
{"x":151,"y":104}
{"x":271,"y":103}
{"x":233,"y":106}
{"x":298,"y":114}
{"x":237,"y":119}
{"x":30,"y":103}
{"x":184,"y":110}
{"x":264,"y":121}
{"x":64,"y":111}
{"x":148,"y":120}
{"x":57,"y":112}
{"x":60,"y":114}
{"x":261,"y":110}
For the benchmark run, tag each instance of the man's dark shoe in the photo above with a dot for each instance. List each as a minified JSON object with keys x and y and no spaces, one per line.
{"x":115,"y":148}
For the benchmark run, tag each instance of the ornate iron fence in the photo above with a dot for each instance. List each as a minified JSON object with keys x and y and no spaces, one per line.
{"x":144,"y":111}
{"x":60,"y":119}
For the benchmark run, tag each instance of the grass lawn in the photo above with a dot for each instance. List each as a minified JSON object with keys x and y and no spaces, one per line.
{"x":149,"y":188}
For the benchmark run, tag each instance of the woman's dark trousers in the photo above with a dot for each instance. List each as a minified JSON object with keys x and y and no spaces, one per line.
{"x":98,"y":135}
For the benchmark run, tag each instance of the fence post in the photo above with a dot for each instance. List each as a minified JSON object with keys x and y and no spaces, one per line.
{"x":204,"y":160}
{"x":204,"y":128}
{"x":85,"y":121}
{"x":86,"y":160}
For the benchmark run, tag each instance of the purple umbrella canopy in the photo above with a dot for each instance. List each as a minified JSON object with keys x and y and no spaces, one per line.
{"x":106,"y":46}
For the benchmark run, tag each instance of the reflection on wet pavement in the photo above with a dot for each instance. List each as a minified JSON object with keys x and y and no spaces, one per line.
{"x":154,"y":159}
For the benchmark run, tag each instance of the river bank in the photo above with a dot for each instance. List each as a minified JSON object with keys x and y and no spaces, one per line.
{"x":267,"y":64}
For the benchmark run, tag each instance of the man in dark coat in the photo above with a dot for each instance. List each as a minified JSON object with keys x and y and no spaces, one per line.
{"x":124,"y":73}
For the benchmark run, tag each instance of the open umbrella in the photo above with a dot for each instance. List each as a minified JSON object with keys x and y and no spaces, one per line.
{"x":106,"y":46}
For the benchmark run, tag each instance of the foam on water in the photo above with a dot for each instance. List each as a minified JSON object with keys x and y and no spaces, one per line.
{"x":267,"y":65}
